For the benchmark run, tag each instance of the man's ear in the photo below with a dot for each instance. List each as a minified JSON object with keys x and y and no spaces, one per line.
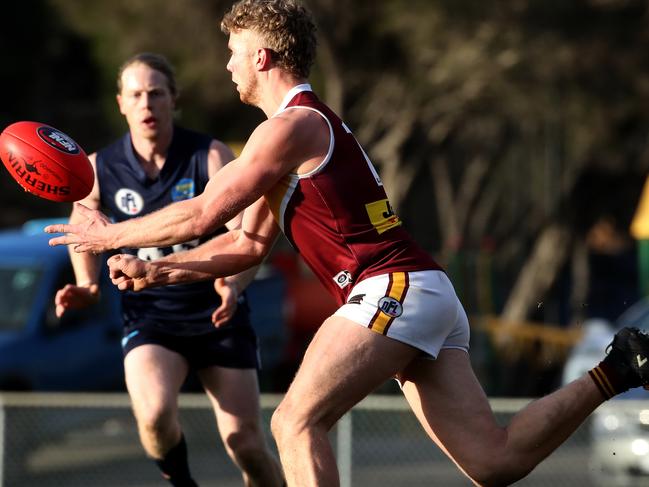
{"x":264,"y":59}
{"x":118,"y":97}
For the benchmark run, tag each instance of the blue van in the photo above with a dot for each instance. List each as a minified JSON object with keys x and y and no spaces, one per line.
{"x":39,"y":351}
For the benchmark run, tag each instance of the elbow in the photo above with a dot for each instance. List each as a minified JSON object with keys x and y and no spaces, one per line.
{"x":257,"y":257}
{"x":256,"y":254}
{"x":252,"y":250}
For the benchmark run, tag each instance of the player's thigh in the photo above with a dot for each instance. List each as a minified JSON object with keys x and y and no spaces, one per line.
{"x":234,"y":394}
{"x":452,"y":406}
{"x":154,"y":376}
{"x":343,"y":363}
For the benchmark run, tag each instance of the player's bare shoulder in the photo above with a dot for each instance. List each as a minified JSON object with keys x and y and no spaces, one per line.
{"x":302,"y":120}
{"x":92,"y":200}
{"x":296,"y":135}
{"x":218,"y":156}
{"x":311,"y":134}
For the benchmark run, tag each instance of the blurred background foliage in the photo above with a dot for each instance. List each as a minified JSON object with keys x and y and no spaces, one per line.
{"x":512,"y":136}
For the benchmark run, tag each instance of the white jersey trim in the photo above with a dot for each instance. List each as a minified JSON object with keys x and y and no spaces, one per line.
{"x":291,"y":94}
{"x":332,"y":141}
{"x":293,"y":177}
{"x":284,"y":106}
{"x":293,"y":180}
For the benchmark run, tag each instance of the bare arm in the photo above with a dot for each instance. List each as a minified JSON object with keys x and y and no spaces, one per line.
{"x":241,"y":280}
{"x":272,"y":151}
{"x":228,"y":288}
{"x":86,"y":265}
{"x":227,"y":254}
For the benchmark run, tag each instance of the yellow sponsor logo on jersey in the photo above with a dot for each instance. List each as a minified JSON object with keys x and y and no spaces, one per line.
{"x":382,"y":215}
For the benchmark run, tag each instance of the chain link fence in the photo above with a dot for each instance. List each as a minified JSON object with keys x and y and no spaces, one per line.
{"x":80,"y":440}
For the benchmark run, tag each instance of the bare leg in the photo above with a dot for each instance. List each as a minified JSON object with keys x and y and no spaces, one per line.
{"x":234,"y":394}
{"x":453,"y":408}
{"x":342,"y":365}
{"x":154,"y":376}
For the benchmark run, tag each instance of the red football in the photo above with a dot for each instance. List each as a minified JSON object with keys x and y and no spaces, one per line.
{"x":46,"y":162}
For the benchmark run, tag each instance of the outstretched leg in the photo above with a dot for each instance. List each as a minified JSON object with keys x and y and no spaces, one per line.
{"x":454,"y":410}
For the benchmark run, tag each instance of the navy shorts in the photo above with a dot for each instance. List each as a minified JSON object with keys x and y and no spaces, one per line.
{"x":232,"y":345}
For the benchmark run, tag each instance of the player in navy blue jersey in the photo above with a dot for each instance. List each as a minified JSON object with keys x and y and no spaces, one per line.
{"x":170,"y":330}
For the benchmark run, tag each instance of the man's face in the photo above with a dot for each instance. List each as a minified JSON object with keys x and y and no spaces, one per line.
{"x":243,"y":46}
{"x":145,"y":101}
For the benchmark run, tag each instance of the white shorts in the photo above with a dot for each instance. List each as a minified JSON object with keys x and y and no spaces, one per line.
{"x":417,"y":308}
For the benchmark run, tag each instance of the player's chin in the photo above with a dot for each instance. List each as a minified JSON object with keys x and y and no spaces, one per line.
{"x":148,"y":132}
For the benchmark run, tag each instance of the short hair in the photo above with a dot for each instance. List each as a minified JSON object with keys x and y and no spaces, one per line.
{"x":285,"y":26}
{"x":157,"y":62}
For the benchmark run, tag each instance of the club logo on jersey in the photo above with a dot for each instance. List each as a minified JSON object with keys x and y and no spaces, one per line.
{"x":390,"y":306}
{"x":382,"y":216}
{"x":129,"y":201}
{"x":343,"y":279}
{"x":183,"y":190}
{"x":58,"y":140}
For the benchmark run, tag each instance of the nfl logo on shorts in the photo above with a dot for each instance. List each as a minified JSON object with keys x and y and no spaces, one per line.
{"x":390,"y":306}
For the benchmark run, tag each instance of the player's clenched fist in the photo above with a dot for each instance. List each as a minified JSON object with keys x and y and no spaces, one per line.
{"x":128,"y":272}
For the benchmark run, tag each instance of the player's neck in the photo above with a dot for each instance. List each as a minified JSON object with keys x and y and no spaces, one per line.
{"x":275,"y":89}
{"x":152,"y":152}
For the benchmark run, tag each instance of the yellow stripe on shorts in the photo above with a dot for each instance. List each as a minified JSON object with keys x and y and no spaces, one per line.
{"x":397,"y":288}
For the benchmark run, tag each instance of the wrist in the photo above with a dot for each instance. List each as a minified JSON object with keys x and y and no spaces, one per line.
{"x":86,"y":284}
{"x":112,"y":240}
{"x":152,"y":275}
{"x":234,"y":285}
{"x":91,"y":286}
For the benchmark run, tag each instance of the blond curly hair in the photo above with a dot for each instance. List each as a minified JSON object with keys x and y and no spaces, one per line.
{"x":284,"y":25}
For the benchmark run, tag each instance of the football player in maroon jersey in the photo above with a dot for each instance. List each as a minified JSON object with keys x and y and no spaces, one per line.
{"x":302,"y":172}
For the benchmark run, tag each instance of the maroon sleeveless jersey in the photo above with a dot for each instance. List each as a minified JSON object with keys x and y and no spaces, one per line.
{"x":338,"y":216}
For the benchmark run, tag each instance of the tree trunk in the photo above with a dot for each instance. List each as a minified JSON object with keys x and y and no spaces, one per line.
{"x":539,"y":272}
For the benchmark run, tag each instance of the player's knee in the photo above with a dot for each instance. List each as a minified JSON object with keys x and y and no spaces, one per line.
{"x":289,"y":423}
{"x":156,"y":420}
{"x":276,"y":424}
{"x":498,"y":471}
{"x":248,"y":448}
{"x":283,"y":424}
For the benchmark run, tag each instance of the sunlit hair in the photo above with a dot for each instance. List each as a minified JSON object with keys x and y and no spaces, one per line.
{"x":157,"y":62}
{"x":285,"y":26}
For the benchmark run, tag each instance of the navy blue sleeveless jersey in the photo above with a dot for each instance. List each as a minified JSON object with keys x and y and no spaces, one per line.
{"x":126,"y":192}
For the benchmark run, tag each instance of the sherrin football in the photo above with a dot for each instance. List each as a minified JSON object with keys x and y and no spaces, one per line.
{"x":46,"y":162}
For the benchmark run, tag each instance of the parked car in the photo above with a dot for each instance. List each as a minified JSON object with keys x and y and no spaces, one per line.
{"x":619,"y":428}
{"x":81,"y":351}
